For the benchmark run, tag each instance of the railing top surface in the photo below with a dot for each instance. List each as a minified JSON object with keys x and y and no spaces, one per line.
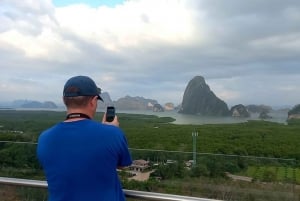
{"x":129,"y":193}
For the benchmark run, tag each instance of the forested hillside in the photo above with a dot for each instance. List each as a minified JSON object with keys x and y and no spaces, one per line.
{"x":221,"y":149}
{"x":256,"y":138}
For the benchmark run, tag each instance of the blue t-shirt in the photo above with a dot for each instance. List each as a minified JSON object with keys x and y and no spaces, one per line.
{"x":80,"y":158}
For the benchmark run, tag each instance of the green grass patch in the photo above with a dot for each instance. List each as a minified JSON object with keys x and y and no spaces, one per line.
{"x":275,"y":173}
{"x":281,"y":173}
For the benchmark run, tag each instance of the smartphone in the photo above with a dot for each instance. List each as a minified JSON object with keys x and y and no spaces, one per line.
{"x":110,"y":113}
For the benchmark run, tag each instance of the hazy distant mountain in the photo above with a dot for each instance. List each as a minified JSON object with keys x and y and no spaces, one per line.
{"x":33,"y":104}
{"x":158,"y":108}
{"x":134,"y":103}
{"x":106,"y":98}
{"x":294,"y":113}
{"x":264,"y":115}
{"x":125,"y":103}
{"x":5,"y":104}
{"x":37,"y":104}
{"x":169,"y":106}
{"x":239,"y":111}
{"x":259,"y":108}
{"x":199,"y":99}
{"x":19,"y":103}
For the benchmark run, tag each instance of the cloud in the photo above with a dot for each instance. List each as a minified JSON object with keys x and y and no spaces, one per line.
{"x":247,"y":51}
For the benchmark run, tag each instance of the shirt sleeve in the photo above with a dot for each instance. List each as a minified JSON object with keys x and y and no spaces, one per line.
{"x":124,"y":155}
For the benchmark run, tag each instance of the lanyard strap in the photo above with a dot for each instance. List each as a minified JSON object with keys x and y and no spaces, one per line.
{"x":77,"y":115}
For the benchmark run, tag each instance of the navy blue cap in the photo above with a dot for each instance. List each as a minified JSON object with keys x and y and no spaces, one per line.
{"x":81,"y":86}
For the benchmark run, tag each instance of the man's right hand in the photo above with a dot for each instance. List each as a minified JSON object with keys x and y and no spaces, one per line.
{"x":115,"y":122}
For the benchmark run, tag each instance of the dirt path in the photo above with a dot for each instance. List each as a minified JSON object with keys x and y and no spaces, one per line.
{"x":8,"y":193}
{"x":241,"y":178}
{"x":141,"y":176}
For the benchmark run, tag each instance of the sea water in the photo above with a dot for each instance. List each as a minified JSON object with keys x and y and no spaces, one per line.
{"x":277,"y":116}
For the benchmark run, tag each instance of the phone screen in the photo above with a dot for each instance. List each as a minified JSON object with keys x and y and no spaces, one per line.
{"x":110,"y":113}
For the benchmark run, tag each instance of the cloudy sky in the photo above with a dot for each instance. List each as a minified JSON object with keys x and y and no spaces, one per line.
{"x":247,"y":51}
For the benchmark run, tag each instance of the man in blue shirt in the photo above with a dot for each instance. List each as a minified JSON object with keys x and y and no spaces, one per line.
{"x":80,"y":156}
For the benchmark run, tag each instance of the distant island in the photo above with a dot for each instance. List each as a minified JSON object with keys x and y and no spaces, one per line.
{"x":30,"y":104}
{"x":198,"y":99}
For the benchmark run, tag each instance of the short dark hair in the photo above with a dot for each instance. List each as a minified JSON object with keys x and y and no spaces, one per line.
{"x":77,"y":102}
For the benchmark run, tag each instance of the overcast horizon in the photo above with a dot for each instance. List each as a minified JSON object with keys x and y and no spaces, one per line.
{"x":247,"y":51}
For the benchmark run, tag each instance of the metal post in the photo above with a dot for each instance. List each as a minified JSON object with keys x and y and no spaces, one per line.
{"x":194,"y":135}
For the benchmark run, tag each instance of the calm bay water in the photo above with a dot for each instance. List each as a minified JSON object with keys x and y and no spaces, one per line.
{"x":277,"y":116}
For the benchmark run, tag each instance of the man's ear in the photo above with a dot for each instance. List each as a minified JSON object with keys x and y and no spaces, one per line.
{"x":94,"y":101}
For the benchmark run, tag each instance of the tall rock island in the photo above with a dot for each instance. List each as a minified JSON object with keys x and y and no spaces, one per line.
{"x":199,"y":99}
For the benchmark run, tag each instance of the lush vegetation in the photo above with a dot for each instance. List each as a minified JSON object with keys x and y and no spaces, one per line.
{"x":295,"y":110}
{"x":242,"y":149}
{"x":256,"y":138}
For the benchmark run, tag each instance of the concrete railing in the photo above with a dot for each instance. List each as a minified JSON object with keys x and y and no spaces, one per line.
{"x":128,"y":193}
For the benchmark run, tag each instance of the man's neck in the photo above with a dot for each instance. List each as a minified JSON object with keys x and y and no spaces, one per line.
{"x":77,"y":114}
